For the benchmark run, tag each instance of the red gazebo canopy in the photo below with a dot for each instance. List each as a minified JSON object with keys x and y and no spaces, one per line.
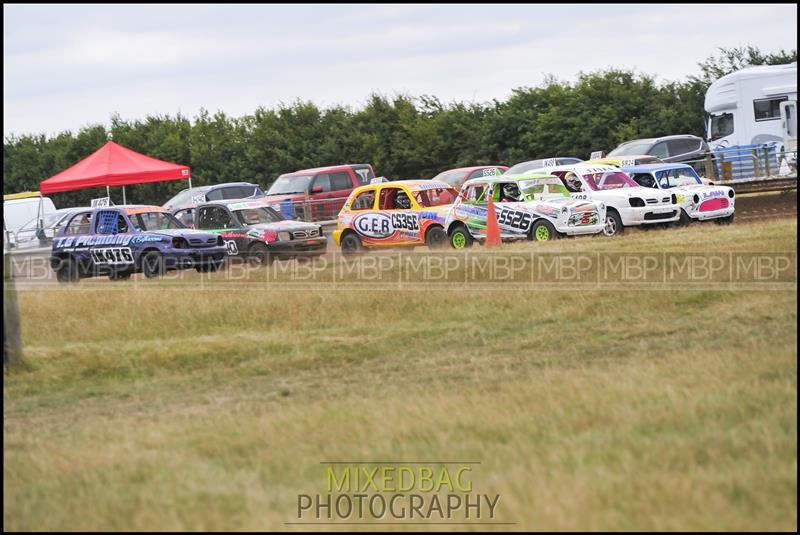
{"x":114,"y":165}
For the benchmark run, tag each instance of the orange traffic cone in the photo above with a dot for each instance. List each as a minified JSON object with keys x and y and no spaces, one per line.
{"x":492,"y":229}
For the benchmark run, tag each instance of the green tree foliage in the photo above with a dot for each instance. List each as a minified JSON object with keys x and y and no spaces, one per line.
{"x":402,"y":136}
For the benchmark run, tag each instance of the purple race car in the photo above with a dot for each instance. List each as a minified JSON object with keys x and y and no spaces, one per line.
{"x":119,"y":241}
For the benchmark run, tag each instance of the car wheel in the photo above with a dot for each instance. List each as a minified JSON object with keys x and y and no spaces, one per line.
{"x":153,"y":264}
{"x":351,"y":244}
{"x":725,"y":220}
{"x":460,"y":238}
{"x":613,"y":224}
{"x":435,"y":237}
{"x":258,"y":255}
{"x":67,"y":271}
{"x":543,"y":230}
{"x":684,"y":220}
{"x":120,"y":275}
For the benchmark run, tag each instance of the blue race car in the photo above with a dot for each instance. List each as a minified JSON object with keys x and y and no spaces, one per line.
{"x":119,"y":241}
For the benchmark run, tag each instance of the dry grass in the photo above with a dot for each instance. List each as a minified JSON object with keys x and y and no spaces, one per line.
{"x":160,"y":406}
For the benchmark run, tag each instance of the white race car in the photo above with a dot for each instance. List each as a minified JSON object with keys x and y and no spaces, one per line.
{"x":697,"y":200}
{"x":533,"y":206}
{"x":627,"y":203}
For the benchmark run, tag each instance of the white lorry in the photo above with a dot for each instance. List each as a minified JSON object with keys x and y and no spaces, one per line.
{"x":19,"y":209}
{"x":752,"y":107}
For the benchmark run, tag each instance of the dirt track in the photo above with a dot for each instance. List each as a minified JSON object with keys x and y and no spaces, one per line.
{"x":755,"y":206}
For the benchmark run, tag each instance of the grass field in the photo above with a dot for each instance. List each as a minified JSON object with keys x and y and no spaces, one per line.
{"x":156,"y":405}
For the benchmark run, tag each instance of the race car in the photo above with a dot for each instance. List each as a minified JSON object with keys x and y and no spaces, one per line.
{"x":257,"y":233}
{"x":404,"y":212}
{"x":625,"y":161}
{"x":119,"y":241}
{"x":456,"y":177}
{"x":534,"y":206}
{"x":697,"y":200}
{"x":627,"y":203}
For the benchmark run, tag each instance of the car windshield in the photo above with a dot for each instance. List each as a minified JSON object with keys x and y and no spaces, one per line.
{"x":187,"y":196}
{"x":540,"y":188}
{"x":49,"y":220}
{"x":524,"y":167}
{"x":257,"y":216}
{"x":630,"y":148}
{"x":454,"y":178}
{"x":607,"y":180}
{"x":435,"y":197}
{"x":677,"y":177}
{"x":286,"y":184}
{"x":155,"y":221}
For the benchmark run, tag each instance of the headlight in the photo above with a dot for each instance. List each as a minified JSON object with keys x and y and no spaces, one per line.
{"x":730,"y":193}
{"x":696,"y":199}
{"x":180,"y":243}
{"x":284,"y":236}
{"x":674,"y":199}
{"x":220,"y":241}
{"x":636,"y":202}
{"x":321,"y":231}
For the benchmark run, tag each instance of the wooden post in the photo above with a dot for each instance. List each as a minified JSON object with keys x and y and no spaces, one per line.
{"x":12,"y":341}
{"x":710,"y":171}
{"x":722,"y":163}
{"x":306,"y":210}
{"x":727,"y":170}
{"x":767,"y":171}
{"x":756,"y":168}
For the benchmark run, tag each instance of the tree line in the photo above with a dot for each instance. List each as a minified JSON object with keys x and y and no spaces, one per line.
{"x":401,"y":136}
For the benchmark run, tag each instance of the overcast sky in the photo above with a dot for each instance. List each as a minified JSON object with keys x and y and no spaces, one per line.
{"x":70,"y":66}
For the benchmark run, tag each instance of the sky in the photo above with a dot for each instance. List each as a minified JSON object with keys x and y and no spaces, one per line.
{"x":70,"y":66}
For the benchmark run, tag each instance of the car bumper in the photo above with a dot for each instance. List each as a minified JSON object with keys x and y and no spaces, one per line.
{"x":648,"y":215}
{"x":581,"y":229}
{"x":187,"y":258}
{"x":293,"y":248}
{"x":337,"y":236}
{"x":715,"y":214}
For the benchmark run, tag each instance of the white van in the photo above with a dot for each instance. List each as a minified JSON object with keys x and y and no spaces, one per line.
{"x":754,"y":106}
{"x":19,"y":209}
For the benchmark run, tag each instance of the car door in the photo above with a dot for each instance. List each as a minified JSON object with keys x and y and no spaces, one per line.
{"x":219,"y":220}
{"x":116,"y":254}
{"x":335,"y":188}
{"x":403,"y":213}
{"x":471,"y":208}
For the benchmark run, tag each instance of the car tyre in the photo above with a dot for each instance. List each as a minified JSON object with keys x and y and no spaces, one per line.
{"x":153,"y":264}
{"x":613,"y":224}
{"x":67,"y":270}
{"x":725,"y":220}
{"x":460,"y":238}
{"x":258,"y":255}
{"x":684,"y":220}
{"x":351,"y":244}
{"x":435,"y":237}
{"x":543,"y":230}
